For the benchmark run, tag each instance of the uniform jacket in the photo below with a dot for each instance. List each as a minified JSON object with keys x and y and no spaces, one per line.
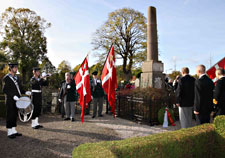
{"x":36,"y":84}
{"x":96,"y":89}
{"x":9,"y":87}
{"x":185,"y":91}
{"x":203,"y":102}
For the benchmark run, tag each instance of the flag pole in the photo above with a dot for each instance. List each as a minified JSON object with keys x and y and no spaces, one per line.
{"x":107,"y":56}
{"x":82,"y":63}
{"x":215,"y":64}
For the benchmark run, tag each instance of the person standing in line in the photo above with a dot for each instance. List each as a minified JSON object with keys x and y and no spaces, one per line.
{"x":68,"y":96}
{"x":97,"y":93}
{"x":219,"y":92}
{"x":185,"y":98}
{"x":36,"y":83}
{"x":203,"y":103}
{"x":13,"y":90}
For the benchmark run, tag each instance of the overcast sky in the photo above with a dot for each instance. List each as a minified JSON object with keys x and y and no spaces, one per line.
{"x":191,"y":32}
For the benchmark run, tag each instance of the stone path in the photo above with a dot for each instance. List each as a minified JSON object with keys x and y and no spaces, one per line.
{"x":58,"y":138}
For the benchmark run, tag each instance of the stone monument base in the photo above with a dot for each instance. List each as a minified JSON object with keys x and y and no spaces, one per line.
{"x":152,"y":75}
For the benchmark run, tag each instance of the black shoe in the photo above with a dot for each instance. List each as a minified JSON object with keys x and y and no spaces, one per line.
{"x":12,"y":136}
{"x":72,"y":120}
{"x":93,"y":116}
{"x":66,"y":119}
{"x":100,"y":115}
{"x":17,"y":134}
{"x":39,"y":126}
{"x":35,"y":127}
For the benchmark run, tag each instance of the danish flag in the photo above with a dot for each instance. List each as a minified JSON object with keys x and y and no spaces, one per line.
{"x":109,"y":81}
{"x":83,"y":86}
{"x":212,"y":70}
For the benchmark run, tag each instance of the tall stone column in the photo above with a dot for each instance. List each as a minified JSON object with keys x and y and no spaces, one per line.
{"x":152,"y":40}
{"x":152,"y":69}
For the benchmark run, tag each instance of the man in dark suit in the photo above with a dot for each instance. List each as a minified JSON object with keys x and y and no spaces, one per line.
{"x":68,"y":96}
{"x":97,"y":93}
{"x":185,"y":98}
{"x":203,"y":104}
{"x":219,"y":92}
{"x":12,"y":89}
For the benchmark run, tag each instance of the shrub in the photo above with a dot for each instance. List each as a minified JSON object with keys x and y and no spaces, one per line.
{"x":219,"y":146}
{"x":186,"y":143}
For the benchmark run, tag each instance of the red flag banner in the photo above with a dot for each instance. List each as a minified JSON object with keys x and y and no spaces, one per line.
{"x":212,"y":70}
{"x":109,"y":81}
{"x":82,"y":81}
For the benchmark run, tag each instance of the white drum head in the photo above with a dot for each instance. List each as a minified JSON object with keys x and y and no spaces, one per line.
{"x":23,"y":103}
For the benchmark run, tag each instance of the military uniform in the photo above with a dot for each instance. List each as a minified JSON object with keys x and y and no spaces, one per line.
{"x":12,"y":89}
{"x":36,"y":85}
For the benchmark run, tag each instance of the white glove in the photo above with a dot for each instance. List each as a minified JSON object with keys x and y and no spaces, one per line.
{"x":60,"y":100}
{"x":91,"y":97}
{"x":68,"y":86}
{"x":43,"y":74}
{"x":16,"y":98}
{"x":98,"y":81}
{"x":28,"y":92}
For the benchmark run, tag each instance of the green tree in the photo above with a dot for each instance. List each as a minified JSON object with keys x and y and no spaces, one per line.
{"x":23,"y":38}
{"x":47,"y":66}
{"x":3,"y":60}
{"x":63,"y":67}
{"x":174,"y":74}
{"x":126,"y":29}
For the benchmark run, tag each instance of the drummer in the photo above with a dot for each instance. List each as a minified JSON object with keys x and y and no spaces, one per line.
{"x":12,"y":89}
{"x":36,"y":83}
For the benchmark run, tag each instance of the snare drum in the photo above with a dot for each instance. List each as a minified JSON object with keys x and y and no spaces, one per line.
{"x":25,"y":108}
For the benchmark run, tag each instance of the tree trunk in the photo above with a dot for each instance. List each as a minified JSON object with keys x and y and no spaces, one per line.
{"x":128,"y":76}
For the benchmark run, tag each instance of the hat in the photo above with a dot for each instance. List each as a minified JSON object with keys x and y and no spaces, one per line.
{"x":94,"y":72}
{"x":11,"y":65}
{"x":36,"y":68}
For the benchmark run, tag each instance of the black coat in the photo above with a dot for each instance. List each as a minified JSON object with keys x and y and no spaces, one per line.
{"x":185,"y":91}
{"x":203,"y":95}
{"x":10,"y":89}
{"x":37,"y":84}
{"x":96,"y":89}
{"x":70,"y":93}
{"x":219,"y":95}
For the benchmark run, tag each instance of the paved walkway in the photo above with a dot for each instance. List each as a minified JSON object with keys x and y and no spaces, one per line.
{"x":58,"y":138}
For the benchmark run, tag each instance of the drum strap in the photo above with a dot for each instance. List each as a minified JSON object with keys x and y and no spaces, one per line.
{"x":16,"y":83}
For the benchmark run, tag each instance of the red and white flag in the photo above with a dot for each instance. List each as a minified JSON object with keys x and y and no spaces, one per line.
{"x":82,"y":81}
{"x":212,"y":70}
{"x":109,"y":81}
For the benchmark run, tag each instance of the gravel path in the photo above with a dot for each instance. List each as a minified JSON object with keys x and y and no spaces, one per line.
{"x":58,"y":138}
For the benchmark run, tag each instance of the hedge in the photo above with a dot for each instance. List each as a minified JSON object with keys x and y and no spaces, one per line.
{"x":206,"y":141}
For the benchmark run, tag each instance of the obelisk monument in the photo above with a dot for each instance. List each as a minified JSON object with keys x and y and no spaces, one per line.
{"x":152,"y":69}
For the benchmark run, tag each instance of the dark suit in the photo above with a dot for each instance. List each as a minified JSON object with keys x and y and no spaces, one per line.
{"x":98,"y":93}
{"x":203,"y":99}
{"x":69,"y":96}
{"x":219,"y":95}
{"x":185,"y":97}
{"x":10,"y":89}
